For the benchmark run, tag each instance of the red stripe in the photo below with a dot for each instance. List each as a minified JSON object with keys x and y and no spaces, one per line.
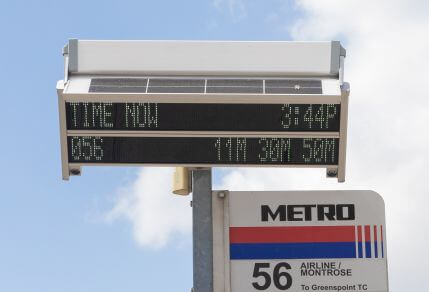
{"x":292,"y":234}
{"x":360,"y":233}
{"x":381,"y":232}
{"x":367,"y":233}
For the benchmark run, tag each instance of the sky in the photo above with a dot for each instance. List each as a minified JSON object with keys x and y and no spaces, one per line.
{"x":97,"y":233}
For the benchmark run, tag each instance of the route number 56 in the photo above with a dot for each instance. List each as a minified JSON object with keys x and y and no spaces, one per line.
{"x":281,"y":278}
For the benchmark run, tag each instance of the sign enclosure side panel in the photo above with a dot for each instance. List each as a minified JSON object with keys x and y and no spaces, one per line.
{"x":63,"y":131}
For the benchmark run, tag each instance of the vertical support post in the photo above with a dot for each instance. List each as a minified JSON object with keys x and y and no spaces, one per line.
{"x":202,"y":229}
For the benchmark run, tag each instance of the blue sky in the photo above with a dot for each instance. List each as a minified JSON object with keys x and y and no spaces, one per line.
{"x":88,"y":234}
{"x":52,"y":235}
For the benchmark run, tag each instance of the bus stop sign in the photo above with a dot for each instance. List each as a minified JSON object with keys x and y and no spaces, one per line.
{"x":300,"y":241}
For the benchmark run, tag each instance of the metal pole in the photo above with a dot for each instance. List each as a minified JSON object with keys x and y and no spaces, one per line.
{"x":202,"y":230}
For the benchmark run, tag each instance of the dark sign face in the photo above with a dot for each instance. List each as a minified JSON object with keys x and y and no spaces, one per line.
{"x":203,"y":117}
{"x":186,"y":150}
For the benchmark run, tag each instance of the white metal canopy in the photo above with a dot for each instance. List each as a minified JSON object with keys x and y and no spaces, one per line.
{"x":204,"y":58}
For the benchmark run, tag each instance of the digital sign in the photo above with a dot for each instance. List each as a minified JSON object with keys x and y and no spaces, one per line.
{"x":202,"y":117}
{"x":188,"y":104}
{"x":203,"y":150}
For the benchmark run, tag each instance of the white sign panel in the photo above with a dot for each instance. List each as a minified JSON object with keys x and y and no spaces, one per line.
{"x":305,"y":241}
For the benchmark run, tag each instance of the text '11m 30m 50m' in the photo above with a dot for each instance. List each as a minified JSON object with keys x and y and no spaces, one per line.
{"x":172,"y":150}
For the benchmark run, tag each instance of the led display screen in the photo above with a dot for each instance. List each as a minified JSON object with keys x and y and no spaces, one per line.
{"x":202,"y":117}
{"x":207,"y":151}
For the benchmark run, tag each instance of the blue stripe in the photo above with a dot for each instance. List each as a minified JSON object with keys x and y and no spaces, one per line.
{"x":360,"y":249}
{"x":382,"y":249}
{"x":375,"y":249}
{"x":368,"y":248}
{"x":319,"y":250}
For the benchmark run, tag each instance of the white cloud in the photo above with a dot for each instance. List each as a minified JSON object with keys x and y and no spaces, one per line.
{"x":235,"y":8}
{"x":388,"y":145}
{"x":155,"y":213}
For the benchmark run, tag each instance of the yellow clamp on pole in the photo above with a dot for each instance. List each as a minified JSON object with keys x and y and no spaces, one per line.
{"x":181,"y":181}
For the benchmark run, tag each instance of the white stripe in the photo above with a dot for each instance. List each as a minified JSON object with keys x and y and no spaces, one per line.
{"x":357,"y":241}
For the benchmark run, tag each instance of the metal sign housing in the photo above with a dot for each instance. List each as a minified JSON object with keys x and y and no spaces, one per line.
{"x":242,"y":103}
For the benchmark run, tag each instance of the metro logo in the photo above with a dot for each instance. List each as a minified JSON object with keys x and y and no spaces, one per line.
{"x":325,"y":212}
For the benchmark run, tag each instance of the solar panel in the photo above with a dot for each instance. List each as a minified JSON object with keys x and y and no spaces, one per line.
{"x":137,"y":85}
{"x":175,"y":85}
{"x":210,"y":85}
{"x":234,"y":86}
{"x":293,"y":86}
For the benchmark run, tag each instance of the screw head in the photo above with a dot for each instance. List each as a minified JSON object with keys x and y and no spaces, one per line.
{"x":75,"y":171}
{"x":332,"y":173}
{"x":221,"y":194}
